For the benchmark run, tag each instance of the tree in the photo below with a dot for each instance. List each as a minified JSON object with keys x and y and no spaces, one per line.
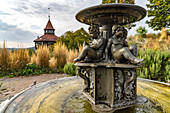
{"x":72,"y":40}
{"x":141,"y":32}
{"x":118,"y":1}
{"x":159,"y":10}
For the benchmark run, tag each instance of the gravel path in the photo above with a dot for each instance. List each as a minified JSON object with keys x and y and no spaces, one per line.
{"x":11,"y":86}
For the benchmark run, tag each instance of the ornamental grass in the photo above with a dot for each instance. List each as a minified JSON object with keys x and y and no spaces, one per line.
{"x":71,"y":55}
{"x":53,"y":63}
{"x":160,"y":41}
{"x":33,"y":58}
{"x":19,"y":58}
{"x":60,"y":54}
{"x":4,"y":58}
{"x":43,"y":56}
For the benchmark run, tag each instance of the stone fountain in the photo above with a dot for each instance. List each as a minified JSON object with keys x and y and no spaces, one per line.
{"x":108,"y":64}
{"x":109,"y":73}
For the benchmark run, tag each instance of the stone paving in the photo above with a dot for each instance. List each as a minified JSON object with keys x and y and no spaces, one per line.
{"x":12,"y":86}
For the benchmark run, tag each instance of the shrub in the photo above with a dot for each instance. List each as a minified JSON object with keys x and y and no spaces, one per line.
{"x":141,"y":32}
{"x":70,"y":69}
{"x":43,"y":56}
{"x":156,"y":65}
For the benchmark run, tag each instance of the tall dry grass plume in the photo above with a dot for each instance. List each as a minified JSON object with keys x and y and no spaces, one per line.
{"x":60,"y":53}
{"x":72,"y":54}
{"x":163,"y":35}
{"x":4,"y":58}
{"x":161,"y":41}
{"x":43,"y":56}
{"x":33,"y":58}
{"x":80,"y":49}
{"x":53,"y":63}
{"x":19,"y":58}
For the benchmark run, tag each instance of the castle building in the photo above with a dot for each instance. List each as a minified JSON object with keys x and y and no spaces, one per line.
{"x":49,"y":37}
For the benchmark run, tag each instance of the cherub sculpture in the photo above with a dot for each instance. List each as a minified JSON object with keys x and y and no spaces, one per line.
{"x":120,"y":51}
{"x":94,"y":50}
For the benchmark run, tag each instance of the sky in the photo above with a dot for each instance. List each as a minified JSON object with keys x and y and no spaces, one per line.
{"x":21,"y":21}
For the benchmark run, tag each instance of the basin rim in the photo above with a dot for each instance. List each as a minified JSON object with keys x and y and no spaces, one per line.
{"x":84,"y":14}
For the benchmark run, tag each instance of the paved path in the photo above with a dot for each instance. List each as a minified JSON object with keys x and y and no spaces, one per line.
{"x":11,"y":86}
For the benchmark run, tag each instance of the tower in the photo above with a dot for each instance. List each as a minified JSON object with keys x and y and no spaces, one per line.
{"x":49,"y":37}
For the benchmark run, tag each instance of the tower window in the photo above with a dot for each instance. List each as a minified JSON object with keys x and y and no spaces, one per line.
{"x":49,"y":31}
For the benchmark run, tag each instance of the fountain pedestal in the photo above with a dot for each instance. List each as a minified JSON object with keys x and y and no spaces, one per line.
{"x":109,"y":86}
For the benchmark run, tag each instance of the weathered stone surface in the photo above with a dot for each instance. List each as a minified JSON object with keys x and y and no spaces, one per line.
{"x":109,"y":85}
{"x":111,"y":14}
{"x":110,"y":74}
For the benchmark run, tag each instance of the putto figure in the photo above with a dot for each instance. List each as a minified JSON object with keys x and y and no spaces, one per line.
{"x":120,"y":50}
{"x":95,"y":49}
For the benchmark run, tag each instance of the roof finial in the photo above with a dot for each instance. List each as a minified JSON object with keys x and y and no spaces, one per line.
{"x":49,"y":13}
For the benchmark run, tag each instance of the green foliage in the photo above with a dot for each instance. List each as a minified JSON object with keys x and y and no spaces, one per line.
{"x":60,"y":70}
{"x":51,"y":50}
{"x":70,"y":69}
{"x":72,"y":40}
{"x":30,"y":69}
{"x":141,"y":32}
{"x":118,"y":1}
{"x":156,"y":65}
{"x":108,"y":1}
{"x":159,"y":10}
{"x":30,"y":52}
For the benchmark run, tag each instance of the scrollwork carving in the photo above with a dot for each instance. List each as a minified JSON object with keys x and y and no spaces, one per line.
{"x":84,"y":75}
{"x":129,"y":85}
{"x":119,"y":78}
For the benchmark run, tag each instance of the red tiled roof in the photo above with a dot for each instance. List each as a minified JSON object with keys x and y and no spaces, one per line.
{"x":46,"y":37}
{"x":49,"y":25}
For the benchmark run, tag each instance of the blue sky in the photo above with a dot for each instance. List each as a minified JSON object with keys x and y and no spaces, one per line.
{"x":21,"y":21}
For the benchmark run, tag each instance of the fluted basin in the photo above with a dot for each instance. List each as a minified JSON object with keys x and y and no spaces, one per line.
{"x":111,"y":14}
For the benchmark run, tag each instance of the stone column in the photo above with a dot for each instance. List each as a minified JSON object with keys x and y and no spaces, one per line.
{"x":107,"y":31}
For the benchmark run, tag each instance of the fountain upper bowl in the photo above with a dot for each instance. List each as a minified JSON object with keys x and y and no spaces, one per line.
{"x":111,"y":14}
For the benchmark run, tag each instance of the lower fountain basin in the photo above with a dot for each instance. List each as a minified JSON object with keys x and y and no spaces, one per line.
{"x":65,"y":95}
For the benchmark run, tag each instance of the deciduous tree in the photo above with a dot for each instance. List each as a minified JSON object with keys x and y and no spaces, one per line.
{"x":159,"y":11}
{"x":73,"y":40}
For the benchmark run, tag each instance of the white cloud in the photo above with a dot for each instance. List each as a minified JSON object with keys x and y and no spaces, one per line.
{"x":29,"y":17}
{"x":16,"y":44}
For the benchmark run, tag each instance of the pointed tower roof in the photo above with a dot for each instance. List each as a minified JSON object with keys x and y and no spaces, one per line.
{"x":48,"y":36}
{"x":49,"y":25}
